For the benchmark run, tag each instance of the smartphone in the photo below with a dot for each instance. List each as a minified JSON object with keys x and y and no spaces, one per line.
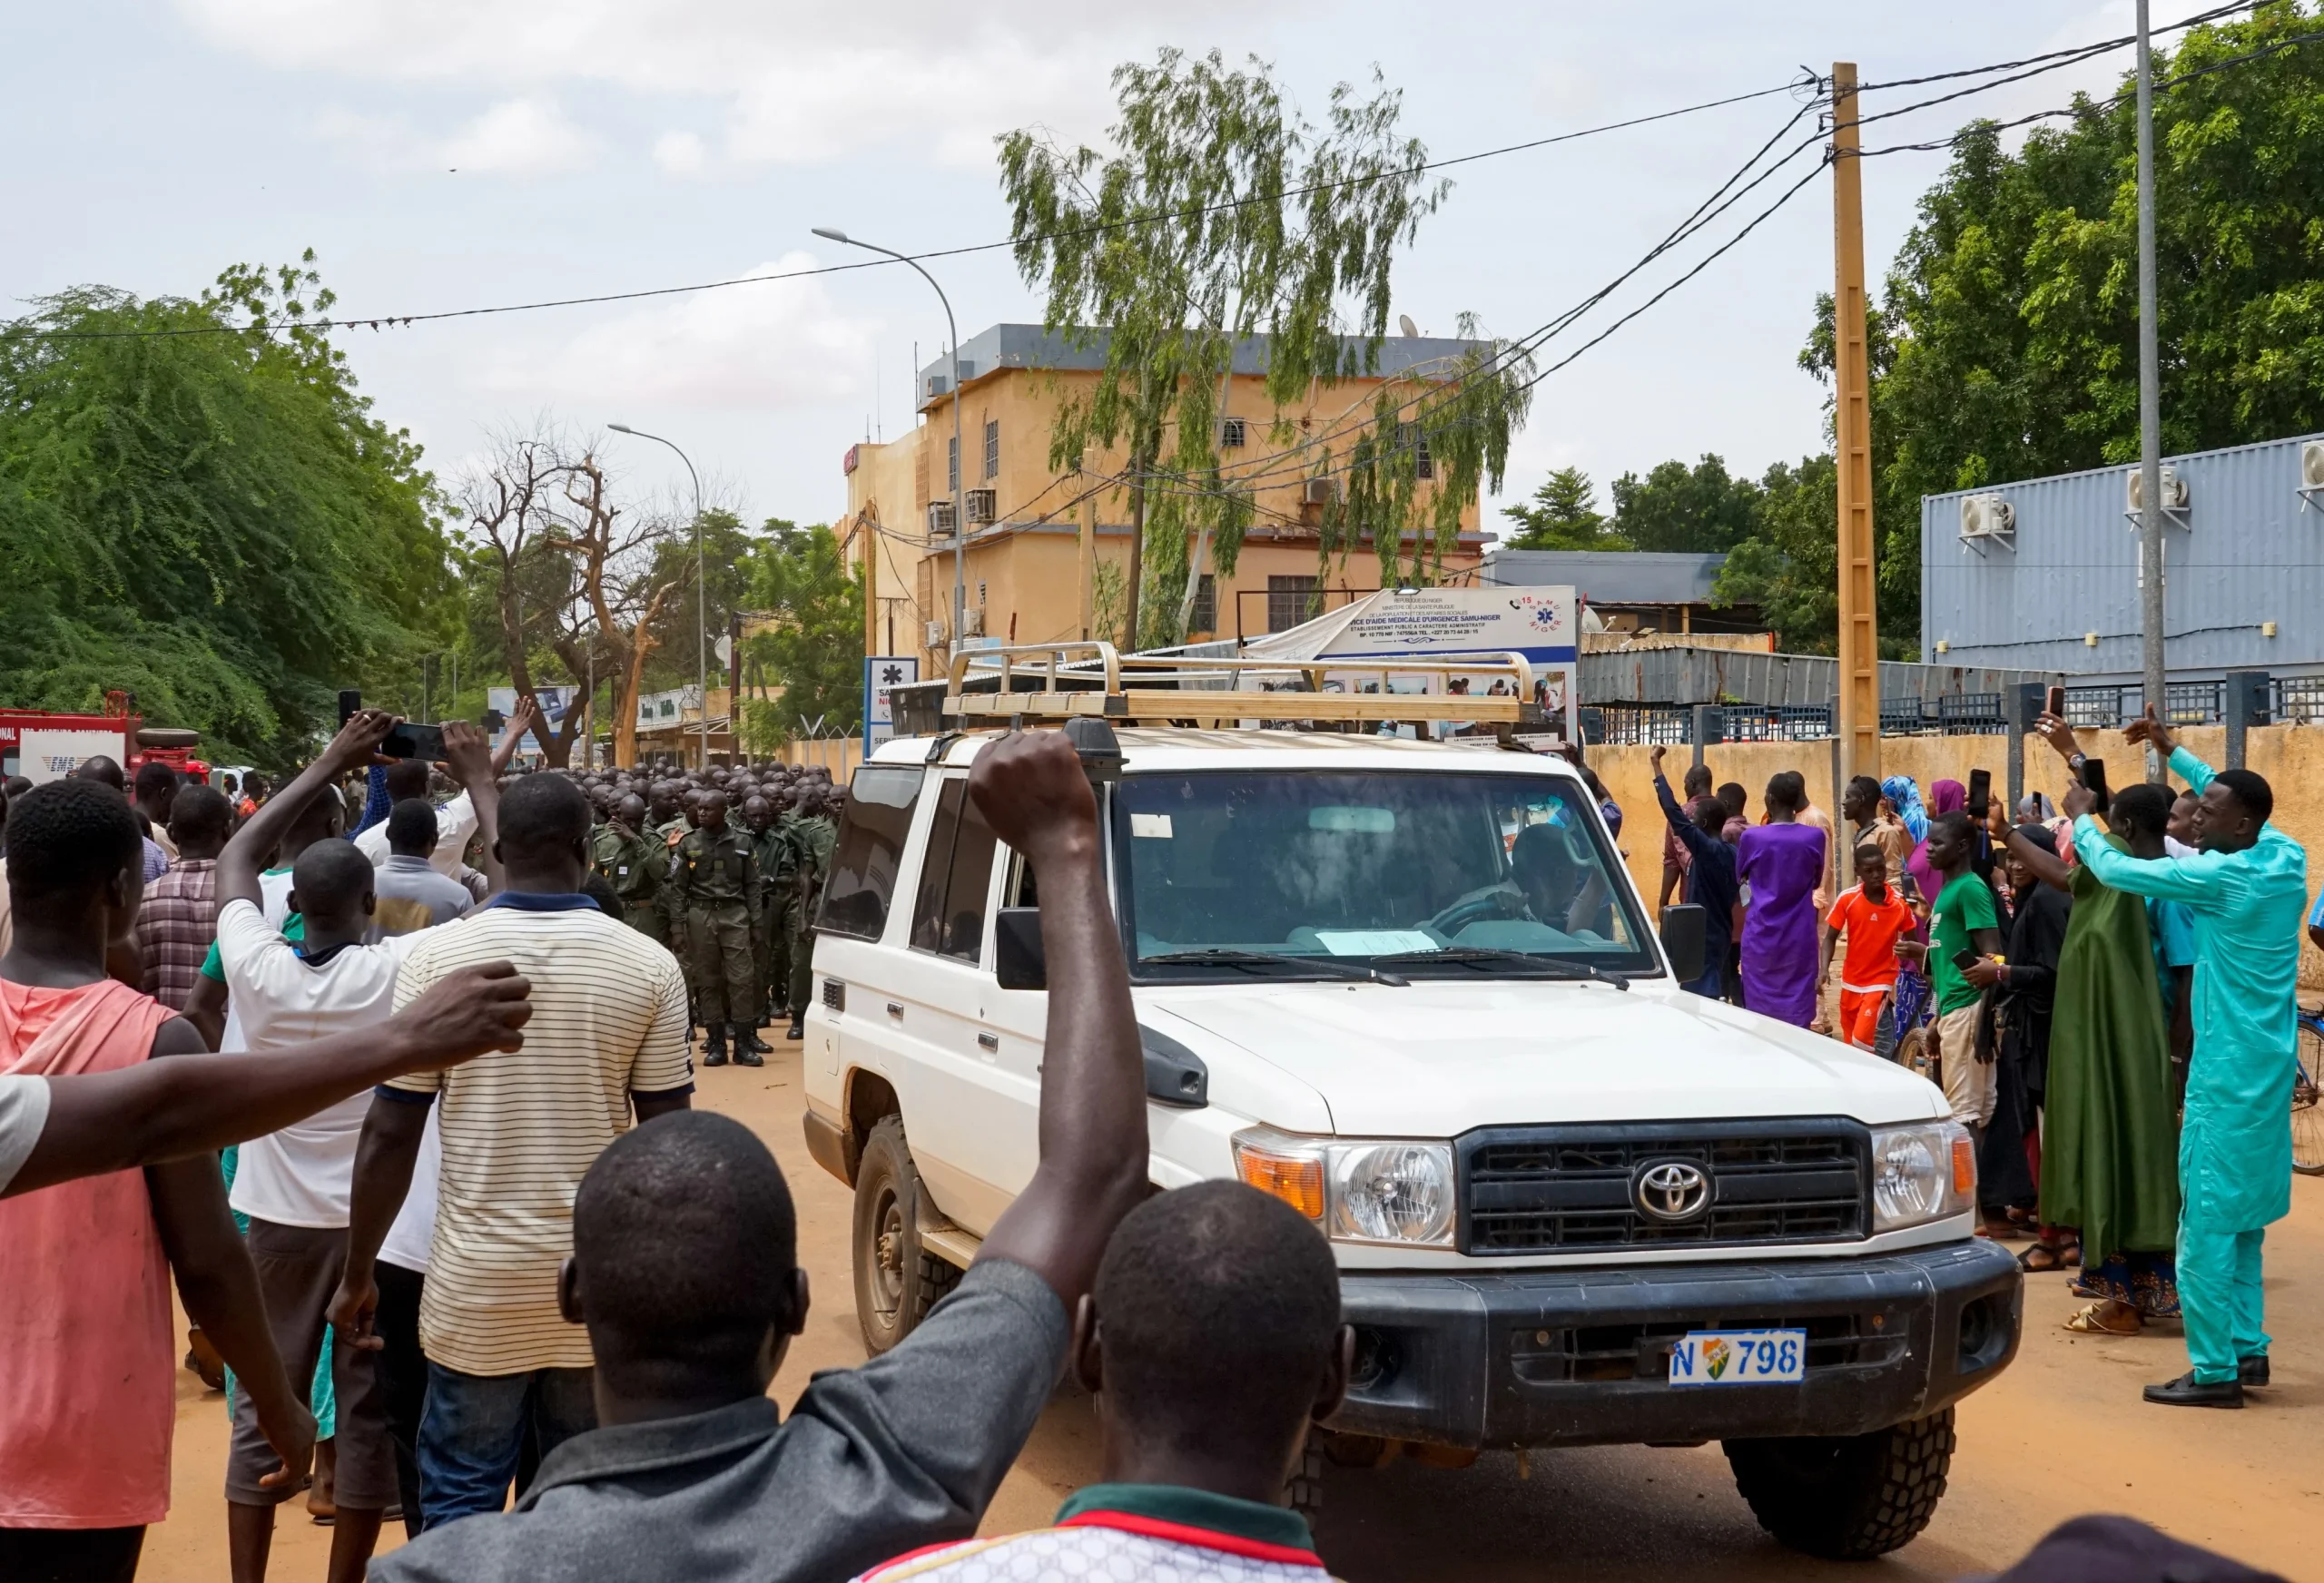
{"x":2094,"y":775}
{"x":2056,"y":702}
{"x":1964,"y":959}
{"x":414,"y":742}
{"x":494,"y":721}
{"x":350,"y":701}
{"x":1981,"y":795}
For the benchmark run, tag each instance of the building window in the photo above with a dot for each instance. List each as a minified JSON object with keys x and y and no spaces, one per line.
{"x":953,"y":463}
{"x":1290,"y":600}
{"x":1205,"y":617}
{"x":992,"y":448}
{"x":1230,"y":434}
{"x":1423,"y":464}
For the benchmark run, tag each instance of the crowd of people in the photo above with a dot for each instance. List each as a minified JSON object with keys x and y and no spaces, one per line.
{"x":2105,"y":994}
{"x":443,"y":1203}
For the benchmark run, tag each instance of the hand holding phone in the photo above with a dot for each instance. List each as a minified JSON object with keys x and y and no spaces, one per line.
{"x":414,"y":742}
{"x":1981,"y":795}
{"x":2056,"y":702}
{"x":2094,"y":775}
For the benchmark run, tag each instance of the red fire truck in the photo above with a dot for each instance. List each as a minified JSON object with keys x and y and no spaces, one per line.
{"x":43,"y":745}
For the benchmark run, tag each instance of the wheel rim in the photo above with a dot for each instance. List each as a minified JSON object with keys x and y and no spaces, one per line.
{"x":886,"y":1263}
{"x":2307,"y":1115}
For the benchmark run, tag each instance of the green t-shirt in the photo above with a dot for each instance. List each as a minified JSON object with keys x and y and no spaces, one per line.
{"x":1963,"y":907}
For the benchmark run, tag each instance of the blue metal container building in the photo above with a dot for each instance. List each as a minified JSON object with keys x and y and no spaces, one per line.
{"x":2059,"y":589}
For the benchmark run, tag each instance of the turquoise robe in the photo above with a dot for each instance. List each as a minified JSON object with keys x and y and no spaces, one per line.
{"x":2235,"y":1142}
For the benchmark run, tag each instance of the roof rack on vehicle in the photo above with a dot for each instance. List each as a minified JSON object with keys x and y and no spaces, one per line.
{"x":1062,"y":680}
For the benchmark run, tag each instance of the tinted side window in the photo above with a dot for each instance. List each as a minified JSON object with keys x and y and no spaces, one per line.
{"x":868,"y":850}
{"x":948,"y":915}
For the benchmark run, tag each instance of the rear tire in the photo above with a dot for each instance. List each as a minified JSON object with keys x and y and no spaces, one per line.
{"x":897,"y":1281}
{"x":1848,"y":1498}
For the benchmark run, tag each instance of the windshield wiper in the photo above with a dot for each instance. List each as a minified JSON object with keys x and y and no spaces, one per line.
{"x":1547,"y":966}
{"x":1328,"y":967}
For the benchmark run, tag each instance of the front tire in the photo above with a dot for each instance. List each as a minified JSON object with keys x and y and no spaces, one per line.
{"x":1848,"y":1498}
{"x":897,"y":1281}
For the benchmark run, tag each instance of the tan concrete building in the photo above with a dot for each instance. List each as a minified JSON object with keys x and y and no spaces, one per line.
{"x":1022,"y":556}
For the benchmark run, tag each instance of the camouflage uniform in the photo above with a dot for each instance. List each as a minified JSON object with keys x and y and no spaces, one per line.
{"x":811,"y":838}
{"x":717,"y":882}
{"x":771,"y":849}
{"x":634,"y":865}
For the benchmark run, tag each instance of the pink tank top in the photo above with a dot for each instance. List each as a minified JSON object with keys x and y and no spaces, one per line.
{"x":88,"y":1397}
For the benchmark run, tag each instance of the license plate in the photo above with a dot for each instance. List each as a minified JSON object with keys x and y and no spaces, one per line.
{"x":1740,"y":1357}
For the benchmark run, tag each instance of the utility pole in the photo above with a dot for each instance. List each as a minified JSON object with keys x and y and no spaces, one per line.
{"x":869,"y":529}
{"x":1089,"y":552}
{"x":2150,"y":418}
{"x":1859,"y":699}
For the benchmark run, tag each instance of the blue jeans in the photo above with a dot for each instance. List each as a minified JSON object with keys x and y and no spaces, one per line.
{"x":473,"y":1430}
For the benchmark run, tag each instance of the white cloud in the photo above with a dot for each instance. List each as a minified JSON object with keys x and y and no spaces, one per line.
{"x":765,"y":347}
{"x":798,"y":82}
{"x":518,"y":137}
{"x":680,"y":152}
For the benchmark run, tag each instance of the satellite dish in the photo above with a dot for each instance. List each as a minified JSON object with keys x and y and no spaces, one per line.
{"x":1404,"y":322}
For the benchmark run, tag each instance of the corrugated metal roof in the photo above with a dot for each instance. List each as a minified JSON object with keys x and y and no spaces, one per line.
{"x":1609,"y":577}
{"x":2249,"y":550}
{"x":1681,"y":674}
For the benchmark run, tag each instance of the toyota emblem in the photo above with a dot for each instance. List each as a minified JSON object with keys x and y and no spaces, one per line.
{"x":1671,"y":1190}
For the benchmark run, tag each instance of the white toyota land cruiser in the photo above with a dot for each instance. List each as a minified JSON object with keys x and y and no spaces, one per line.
{"x":1409,"y":988}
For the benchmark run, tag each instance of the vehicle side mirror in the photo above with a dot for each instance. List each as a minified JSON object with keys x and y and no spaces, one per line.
{"x":1685,"y":940}
{"x":1175,"y":1075}
{"x":1018,"y":960}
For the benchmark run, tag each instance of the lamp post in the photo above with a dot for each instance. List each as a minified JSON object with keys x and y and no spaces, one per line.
{"x":960,"y":456}
{"x":701,"y":593}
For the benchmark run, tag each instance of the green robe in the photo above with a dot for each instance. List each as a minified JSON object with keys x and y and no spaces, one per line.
{"x":2109,"y":1142}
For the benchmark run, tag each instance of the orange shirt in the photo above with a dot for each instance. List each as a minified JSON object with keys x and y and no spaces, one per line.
{"x":1872,"y":930}
{"x":88,"y":1393}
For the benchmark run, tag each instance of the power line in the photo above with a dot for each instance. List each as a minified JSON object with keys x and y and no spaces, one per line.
{"x":405,"y":320}
{"x":2093,"y":106}
{"x":2064,"y":57}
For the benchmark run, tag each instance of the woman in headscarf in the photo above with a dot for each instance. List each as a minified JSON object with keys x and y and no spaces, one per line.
{"x":1900,"y":827}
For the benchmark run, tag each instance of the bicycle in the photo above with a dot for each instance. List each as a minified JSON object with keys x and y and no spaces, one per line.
{"x":2307,"y":1090}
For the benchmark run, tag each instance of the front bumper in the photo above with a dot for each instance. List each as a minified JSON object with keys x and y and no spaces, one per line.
{"x":1581,"y":1357}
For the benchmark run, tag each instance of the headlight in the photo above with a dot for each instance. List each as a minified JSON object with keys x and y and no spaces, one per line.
{"x":1920,"y":1174}
{"x":1396,"y":1192}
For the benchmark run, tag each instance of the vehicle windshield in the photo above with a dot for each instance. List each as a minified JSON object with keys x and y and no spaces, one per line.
{"x":1440,"y":873}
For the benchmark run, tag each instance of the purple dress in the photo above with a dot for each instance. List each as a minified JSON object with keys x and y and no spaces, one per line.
{"x":1782,"y":864}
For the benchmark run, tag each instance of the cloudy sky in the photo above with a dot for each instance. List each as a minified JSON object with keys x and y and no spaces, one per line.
{"x":454,"y":154}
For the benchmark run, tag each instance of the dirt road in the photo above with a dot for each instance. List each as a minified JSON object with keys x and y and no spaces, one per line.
{"x":2061,"y":1432}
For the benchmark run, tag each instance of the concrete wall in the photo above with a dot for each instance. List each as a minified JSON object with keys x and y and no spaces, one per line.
{"x":2290,"y":756}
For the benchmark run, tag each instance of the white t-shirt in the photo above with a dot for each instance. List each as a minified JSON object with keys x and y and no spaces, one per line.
{"x":24,"y":1112}
{"x":407,"y":1242}
{"x":303,"y":1175}
{"x":455,"y":822}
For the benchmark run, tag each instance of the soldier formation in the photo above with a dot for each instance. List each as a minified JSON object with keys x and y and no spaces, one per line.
{"x":723,"y":867}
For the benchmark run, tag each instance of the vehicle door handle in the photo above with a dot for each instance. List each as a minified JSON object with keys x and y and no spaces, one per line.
{"x":990,"y":1041}
{"x":895,"y":1008}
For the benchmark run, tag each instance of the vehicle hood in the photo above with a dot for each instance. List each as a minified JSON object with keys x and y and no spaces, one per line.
{"x":1434,"y":1059}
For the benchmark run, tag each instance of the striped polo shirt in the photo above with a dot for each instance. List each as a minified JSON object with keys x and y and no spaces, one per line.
{"x":518,"y":1130}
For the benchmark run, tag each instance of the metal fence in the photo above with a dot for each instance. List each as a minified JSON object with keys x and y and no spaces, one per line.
{"x":2111,"y":705}
{"x":1672,"y":725}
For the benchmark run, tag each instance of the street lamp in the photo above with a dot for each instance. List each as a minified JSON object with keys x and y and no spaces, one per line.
{"x":960,"y":456}
{"x":701,"y":594}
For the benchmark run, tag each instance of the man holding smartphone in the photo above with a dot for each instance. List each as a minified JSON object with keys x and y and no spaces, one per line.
{"x":2247,"y":886}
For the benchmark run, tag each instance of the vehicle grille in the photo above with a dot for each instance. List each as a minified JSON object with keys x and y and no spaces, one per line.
{"x":1547,"y":1189}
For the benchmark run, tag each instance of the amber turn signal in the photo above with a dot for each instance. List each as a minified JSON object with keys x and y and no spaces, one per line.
{"x":1299,"y":1182}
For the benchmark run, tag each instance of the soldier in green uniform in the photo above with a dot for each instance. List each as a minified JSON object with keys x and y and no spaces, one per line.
{"x":771,"y":953}
{"x":634,"y":863}
{"x":811,"y":834}
{"x":672,"y":823}
{"x":717,"y":882}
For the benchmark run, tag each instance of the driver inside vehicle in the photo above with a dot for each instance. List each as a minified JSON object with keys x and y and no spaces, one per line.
{"x":1557,"y":891}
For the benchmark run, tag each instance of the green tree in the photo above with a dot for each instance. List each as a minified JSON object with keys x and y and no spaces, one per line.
{"x":813,"y":650}
{"x":1563,"y":515}
{"x":1226,"y":214}
{"x":197,"y":506}
{"x":1789,"y":566}
{"x":1675,"y":507}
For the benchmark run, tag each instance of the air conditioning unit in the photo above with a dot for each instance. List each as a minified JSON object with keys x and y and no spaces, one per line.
{"x":2174,"y":490}
{"x":939,"y":518}
{"x":972,"y":621}
{"x":1988,"y":516}
{"x":1319,"y":491}
{"x":2311,"y":464}
{"x":937,"y":385}
{"x":980,"y":505}
{"x":936,"y":633}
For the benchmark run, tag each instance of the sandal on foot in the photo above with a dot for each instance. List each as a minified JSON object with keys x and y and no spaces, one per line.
{"x":2093,"y":1320}
{"x":2042,"y":1259}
